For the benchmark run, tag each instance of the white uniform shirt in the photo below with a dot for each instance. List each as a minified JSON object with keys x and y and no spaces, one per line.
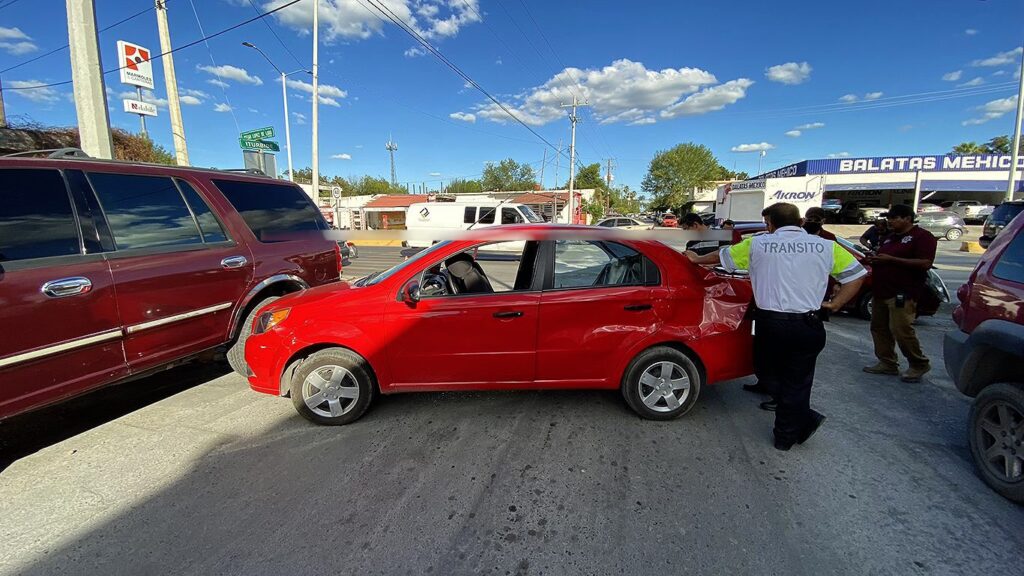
{"x":790,"y":268}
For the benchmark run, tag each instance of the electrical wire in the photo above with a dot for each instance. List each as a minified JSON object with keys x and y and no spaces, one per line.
{"x":171,"y":51}
{"x":209,"y":51}
{"x":11,"y":3}
{"x":274,"y":32}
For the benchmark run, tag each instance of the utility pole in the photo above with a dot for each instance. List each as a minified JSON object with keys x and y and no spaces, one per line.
{"x":608,"y":179}
{"x":316,"y":100}
{"x":543,"y":163}
{"x":173,"y":104}
{"x":87,"y":79}
{"x":391,"y":147}
{"x":3,"y":115}
{"x":572,"y":153}
{"x":1015,"y":152}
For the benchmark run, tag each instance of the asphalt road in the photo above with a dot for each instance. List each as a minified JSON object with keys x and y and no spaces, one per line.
{"x":191,"y":473}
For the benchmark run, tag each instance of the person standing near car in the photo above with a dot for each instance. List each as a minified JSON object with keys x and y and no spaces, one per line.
{"x":899,"y":277}
{"x":693,"y":223}
{"x":814,"y":220}
{"x":872,"y":237}
{"x":789,"y":270}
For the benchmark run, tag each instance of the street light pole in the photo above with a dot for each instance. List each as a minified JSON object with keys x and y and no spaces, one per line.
{"x":316,"y":100}
{"x":284,"y":97}
{"x":1015,"y":152}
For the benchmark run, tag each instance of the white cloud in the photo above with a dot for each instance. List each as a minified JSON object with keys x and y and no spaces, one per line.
{"x":196,"y":93}
{"x":13,"y":34}
{"x":953,"y":76}
{"x":234,"y":73}
{"x":353,"y":20}
{"x":219,"y":83}
{"x":999,"y":72}
{"x":811,"y":126}
{"x":222,"y":108}
{"x":358,"y":146}
{"x":190,"y":100}
{"x":839,"y":155}
{"x":848,"y":98}
{"x":1000,"y":59}
{"x":623,"y":91}
{"x":434,"y":174}
{"x":34,"y":94}
{"x":643,"y":121}
{"x":342,"y":156}
{"x":299,"y":118}
{"x":18,"y":48}
{"x":753,"y":147}
{"x":970,"y":32}
{"x":992,"y":110}
{"x":789,"y":73}
{"x":414,"y":52}
{"x":498,"y":62}
{"x":328,"y":92}
{"x":464,"y":116}
{"x":873,"y":95}
{"x":976,"y":82}
{"x":794,"y":133}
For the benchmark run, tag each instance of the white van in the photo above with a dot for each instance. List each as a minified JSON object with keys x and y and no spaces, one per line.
{"x":449,"y":216}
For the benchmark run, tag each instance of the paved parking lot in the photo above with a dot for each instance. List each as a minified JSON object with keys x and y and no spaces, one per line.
{"x":189,"y":472}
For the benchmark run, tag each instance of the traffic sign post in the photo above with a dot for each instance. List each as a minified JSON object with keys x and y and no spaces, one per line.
{"x":258,"y":145}
{"x":258,"y":134}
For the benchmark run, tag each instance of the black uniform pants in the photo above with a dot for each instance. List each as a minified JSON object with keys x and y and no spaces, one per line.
{"x":789,"y":349}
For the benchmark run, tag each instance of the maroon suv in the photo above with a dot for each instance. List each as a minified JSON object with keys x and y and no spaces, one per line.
{"x":985,"y":358}
{"x":112,"y":270}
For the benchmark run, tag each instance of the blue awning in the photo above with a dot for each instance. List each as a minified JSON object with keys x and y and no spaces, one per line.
{"x":928,"y":186}
{"x":869,"y":186}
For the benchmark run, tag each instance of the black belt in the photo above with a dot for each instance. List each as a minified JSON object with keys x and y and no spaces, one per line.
{"x":773,"y":315}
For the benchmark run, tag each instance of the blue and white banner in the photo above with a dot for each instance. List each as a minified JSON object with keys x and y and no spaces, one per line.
{"x":893,"y":164}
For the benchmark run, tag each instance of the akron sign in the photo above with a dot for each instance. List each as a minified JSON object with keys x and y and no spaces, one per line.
{"x":135,"y":64}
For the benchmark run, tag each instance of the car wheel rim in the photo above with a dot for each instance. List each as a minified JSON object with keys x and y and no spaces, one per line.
{"x":1000,"y":435}
{"x":664,"y":386}
{"x":954,"y":234}
{"x":330,"y":391}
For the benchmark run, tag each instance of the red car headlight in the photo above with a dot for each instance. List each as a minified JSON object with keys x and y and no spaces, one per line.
{"x":268,"y":320}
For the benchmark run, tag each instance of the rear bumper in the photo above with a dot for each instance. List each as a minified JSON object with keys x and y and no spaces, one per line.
{"x":955,"y":349}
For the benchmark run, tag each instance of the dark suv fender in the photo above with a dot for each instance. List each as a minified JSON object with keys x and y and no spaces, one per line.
{"x":276,"y":285}
{"x":993,"y":352}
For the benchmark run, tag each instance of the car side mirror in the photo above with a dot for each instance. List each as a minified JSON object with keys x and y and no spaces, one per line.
{"x":411,"y":292}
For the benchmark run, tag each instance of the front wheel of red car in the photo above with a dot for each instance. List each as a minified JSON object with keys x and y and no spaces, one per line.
{"x":333,"y":387}
{"x":661,"y":383}
{"x":996,"y":435}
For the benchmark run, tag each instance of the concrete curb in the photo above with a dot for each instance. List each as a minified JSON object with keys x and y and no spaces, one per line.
{"x":972,"y":247}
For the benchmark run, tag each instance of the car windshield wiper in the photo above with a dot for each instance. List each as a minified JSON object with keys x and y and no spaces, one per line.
{"x":363,"y":281}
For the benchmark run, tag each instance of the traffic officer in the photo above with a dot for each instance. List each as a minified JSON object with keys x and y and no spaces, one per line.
{"x":789,"y":270}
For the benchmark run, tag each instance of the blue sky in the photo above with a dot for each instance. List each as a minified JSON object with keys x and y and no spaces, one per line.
{"x":918,"y":77}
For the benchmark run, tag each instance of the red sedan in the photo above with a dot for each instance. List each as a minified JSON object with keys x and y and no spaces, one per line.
{"x":520,"y":307}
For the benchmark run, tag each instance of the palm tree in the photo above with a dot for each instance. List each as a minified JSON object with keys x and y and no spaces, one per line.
{"x":969,"y":149}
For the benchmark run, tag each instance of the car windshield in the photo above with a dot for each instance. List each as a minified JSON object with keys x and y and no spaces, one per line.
{"x":531,"y":216}
{"x":378,"y":277}
{"x":1006,"y":212}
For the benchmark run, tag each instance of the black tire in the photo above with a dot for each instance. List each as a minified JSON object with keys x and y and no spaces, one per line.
{"x":660,"y":409}
{"x":954,"y":234}
{"x":983,"y":435}
{"x":358,"y":376}
{"x":236,"y":353}
{"x":864,"y":306}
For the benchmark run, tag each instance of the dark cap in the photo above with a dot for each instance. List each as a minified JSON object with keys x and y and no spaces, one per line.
{"x":899,"y":211}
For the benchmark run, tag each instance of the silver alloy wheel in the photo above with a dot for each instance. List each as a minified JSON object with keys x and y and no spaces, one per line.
{"x":953,"y":234}
{"x":664,"y":386}
{"x":330,"y":391}
{"x":1000,"y":435}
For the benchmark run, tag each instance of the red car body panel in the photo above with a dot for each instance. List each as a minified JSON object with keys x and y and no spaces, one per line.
{"x":565,"y":338}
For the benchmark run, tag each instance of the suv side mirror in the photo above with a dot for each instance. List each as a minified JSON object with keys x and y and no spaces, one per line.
{"x":411,"y":292}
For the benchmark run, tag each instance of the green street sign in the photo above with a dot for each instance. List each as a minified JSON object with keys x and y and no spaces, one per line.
{"x":260,"y":134}
{"x":258,"y":145}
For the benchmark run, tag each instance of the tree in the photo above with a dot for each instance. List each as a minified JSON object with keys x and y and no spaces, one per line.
{"x":508,"y":175}
{"x":589,"y":176}
{"x":996,"y":145}
{"x":968,"y":149}
{"x":999,"y":145}
{"x":459,"y":186}
{"x":673,"y":175}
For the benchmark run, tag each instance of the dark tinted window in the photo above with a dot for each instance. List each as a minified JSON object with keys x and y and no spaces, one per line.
{"x":268,"y":207}
{"x":580,"y":263}
{"x":510,"y":216}
{"x":36,"y":219}
{"x":1006,"y":212}
{"x":144,"y":211}
{"x":610,"y":223}
{"x":487,"y":215}
{"x":470,"y":215}
{"x":208,"y":224}
{"x":1011,"y":263}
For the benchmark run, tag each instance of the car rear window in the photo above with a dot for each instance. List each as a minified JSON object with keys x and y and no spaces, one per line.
{"x":268,"y":207}
{"x":36,"y":220}
{"x":1006,"y":212}
{"x":1011,"y":263}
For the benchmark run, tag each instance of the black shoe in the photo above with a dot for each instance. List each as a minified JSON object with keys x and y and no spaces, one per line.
{"x":782,"y":445}
{"x":756,"y":388}
{"x":816,"y":421}
{"x":770,"y":405}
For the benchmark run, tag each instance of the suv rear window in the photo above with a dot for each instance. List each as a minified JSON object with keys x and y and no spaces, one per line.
{"x":144,"y":211}
{"x":267,"y":207}
{"x":36,"y":220}
{"x":1006,"y":212}
{"x":1011,"y":263}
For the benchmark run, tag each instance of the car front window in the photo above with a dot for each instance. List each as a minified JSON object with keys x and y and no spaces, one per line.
{"x":375,"y":279}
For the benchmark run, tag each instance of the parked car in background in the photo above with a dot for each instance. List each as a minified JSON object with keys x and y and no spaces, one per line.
{"x":1001,"y":217}
{"x":624,"y":223}
{"x":971,"y":210}
{"x":657,"y":327}
{"x":927,"y":207}
{"x":985,"y":358}
{"x":854,"y":213}
{"x":946,"y":225}
{"x":832,"y":207}
{"x":112,"y":270}
{"x":669,"y":221}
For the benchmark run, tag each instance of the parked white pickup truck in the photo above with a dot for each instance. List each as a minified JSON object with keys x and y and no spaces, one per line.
{"x":968,"y":209}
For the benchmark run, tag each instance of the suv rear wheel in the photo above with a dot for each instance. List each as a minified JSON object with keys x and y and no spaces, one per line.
{"x":996,"y":436}
{"x":236,"y":353}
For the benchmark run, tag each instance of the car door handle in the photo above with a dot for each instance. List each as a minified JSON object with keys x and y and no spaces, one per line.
{"x":513,"y":314}
{"x":234,"y":262}
{"x":637,"y":307}
{"x":67,"y":287}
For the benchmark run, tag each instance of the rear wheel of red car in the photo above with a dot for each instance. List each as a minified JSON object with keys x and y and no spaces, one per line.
{"x":333,"y":387}
{"x":661,"y":383}
{"x":996,"y":436}
{"x":236,"y":353}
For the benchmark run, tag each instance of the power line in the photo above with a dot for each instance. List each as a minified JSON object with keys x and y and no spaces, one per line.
{"x":171,"y":51}
{"x":209,"y":51}
{"x":274,"y":32}
{"x":11,"y":3}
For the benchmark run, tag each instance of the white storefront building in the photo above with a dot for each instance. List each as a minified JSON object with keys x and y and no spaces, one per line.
{"x":880,"y":181}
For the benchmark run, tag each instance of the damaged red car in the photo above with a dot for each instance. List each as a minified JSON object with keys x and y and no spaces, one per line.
{"x":515,"y":308}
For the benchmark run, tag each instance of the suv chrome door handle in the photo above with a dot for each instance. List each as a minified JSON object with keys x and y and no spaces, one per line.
{"x":234,"y":262}
{"x":66,"y":287}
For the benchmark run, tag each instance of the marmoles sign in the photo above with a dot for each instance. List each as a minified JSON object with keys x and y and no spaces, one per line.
{"x":136,"y":68}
